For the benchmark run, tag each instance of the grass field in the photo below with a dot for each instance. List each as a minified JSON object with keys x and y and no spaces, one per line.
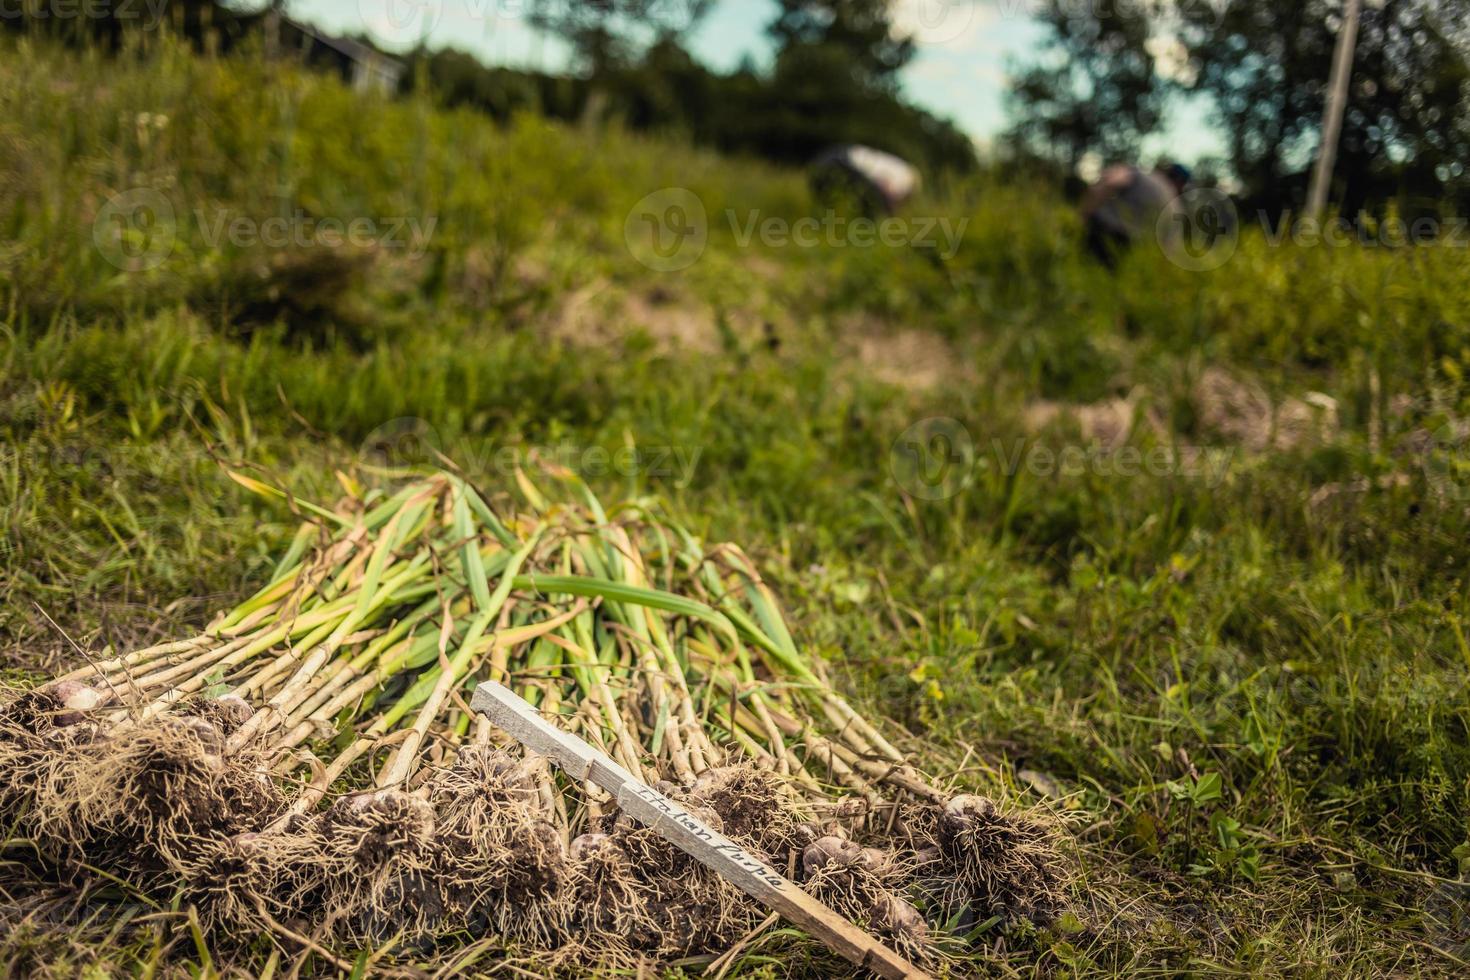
{"x":1188,"y":568}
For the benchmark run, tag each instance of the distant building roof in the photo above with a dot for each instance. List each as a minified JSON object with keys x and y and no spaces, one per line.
{"x":351,"y":48}
{"x":363,"y":65}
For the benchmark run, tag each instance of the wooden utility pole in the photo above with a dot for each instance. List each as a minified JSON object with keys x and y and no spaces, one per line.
{"x":1337,"y":90}
{"x":517,"y":718}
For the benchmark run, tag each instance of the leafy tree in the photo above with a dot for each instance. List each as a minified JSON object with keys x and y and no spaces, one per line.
{"x":1264,"y":68}
{"x":1093,"y":88}
{"x":859,"y":32}
{"x":835,"y":80}
{"x":1406,"y":128}
{"x":603,"y":33}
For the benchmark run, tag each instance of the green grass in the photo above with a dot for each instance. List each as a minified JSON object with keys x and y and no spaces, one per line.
{"x":1248,"y":686}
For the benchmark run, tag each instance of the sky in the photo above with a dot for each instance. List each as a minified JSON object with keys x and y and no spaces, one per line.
{"x":965,"y":49}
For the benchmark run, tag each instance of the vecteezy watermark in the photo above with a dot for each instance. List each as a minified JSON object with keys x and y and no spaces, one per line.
{"x":1365,"y":231}
{"x":1199,"y":230}
{"x":933,"y":459}
{"x":401,"y":22}
{"x":135,"y":230}
{"x":1212,"y":11}
{"x":408,"y":233}
{"x":934,"y":23}
{"x":413,"y":442}
{"x":668,"y":230}
{"x":147,"y":13}
{"x":835,"y":231}
{"x":406,"y":22}
{"x":936,"y":458}
{"x":1443,"y":457}
{"x":1447,"y":915}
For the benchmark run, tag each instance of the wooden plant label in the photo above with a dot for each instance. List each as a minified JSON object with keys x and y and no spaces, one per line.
{"x":509,"y":712}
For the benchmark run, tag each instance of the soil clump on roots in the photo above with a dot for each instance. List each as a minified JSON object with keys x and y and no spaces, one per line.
{"x":477,"y":847}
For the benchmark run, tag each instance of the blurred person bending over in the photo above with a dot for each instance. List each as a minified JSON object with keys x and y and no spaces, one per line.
{"x":1124,"y":206}
{"x":876,"y":182}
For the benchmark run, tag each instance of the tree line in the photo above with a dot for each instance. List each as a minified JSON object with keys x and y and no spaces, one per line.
{"x":1258,"y":74}
{"x":833,"y":78}
{"x":1103,"y":81}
